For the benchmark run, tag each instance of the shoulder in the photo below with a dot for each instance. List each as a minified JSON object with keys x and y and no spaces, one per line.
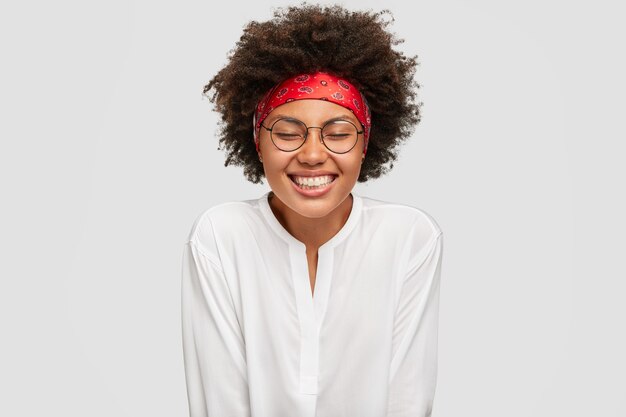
{"x":414,"y":227}
{"x":217,"y":222}
{"x":400,"y":215}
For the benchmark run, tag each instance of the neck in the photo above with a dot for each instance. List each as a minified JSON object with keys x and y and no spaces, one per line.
{"x":313,"y":232}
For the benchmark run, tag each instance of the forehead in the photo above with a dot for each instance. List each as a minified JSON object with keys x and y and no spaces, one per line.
{"x":311,"y":111}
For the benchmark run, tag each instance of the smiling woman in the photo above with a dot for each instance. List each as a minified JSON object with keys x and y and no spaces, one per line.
{"x":312,"y":300}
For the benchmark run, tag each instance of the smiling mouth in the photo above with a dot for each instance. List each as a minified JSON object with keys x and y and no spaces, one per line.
{"x":313,"y":187}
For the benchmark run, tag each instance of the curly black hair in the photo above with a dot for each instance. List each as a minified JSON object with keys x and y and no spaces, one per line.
{"x":354,"y":45}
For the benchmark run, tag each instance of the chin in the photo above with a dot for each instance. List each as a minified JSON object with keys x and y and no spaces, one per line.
{"x":319,"y":207}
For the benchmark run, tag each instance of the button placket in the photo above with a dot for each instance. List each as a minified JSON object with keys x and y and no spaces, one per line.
{"x":309,"y":336}
{"x":311,"y":309}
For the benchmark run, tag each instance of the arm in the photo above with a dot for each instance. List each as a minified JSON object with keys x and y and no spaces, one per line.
{"x":213,"y":346}
{"x":413,"y":374}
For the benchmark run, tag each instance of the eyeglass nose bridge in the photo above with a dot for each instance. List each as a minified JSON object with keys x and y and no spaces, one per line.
{"x":306,"y":134}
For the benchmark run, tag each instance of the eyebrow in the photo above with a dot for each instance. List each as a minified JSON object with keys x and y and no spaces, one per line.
{"x":274,"y":117}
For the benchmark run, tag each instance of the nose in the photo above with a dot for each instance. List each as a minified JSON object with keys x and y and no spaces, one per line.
{"x":313,"y":150}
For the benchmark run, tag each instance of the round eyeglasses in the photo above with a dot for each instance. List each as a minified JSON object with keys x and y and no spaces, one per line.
{"x":289,"y":134}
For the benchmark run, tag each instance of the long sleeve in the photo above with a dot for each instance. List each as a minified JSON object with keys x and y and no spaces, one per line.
{"x":213,"y":345}
{"x":413,"y":372}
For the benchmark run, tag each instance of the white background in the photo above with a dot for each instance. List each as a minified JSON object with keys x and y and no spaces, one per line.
{"x":109,"y":151}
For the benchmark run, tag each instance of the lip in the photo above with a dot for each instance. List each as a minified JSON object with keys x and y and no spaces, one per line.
{"x":313,"y":193}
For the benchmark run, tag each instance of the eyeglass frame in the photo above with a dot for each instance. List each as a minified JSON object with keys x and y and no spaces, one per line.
{"x":306,"y":134}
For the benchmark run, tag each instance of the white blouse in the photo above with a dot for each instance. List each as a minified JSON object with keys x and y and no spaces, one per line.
{"x":257,"y":342}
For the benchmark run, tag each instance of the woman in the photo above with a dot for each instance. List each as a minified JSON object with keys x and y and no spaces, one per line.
{"x":312,"y":300}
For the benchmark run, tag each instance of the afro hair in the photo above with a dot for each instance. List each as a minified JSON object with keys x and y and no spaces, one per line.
{"x":354,"y":45}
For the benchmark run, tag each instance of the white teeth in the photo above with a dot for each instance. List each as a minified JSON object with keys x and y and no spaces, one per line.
{"x":314,"y":181}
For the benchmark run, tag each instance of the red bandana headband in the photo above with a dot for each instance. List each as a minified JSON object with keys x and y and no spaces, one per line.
{"x":320,"y":85}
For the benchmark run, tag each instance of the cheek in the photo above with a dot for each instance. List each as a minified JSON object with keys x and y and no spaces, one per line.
{"x":275,"y":163}
{"x":351,"y":166}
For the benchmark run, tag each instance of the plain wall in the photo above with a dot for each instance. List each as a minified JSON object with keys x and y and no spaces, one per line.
{"x":109,"y":152}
